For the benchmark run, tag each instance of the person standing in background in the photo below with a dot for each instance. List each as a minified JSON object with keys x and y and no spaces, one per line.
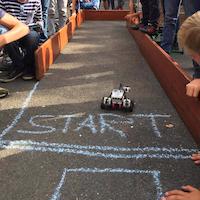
{"x":45,"y":9}
{"x":60,"y":7}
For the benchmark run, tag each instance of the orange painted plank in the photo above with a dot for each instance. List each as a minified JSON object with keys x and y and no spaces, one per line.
{"x":80,"y":18}
{"x":116,"y":15}
{"x":46,"y":54}
{"x":72,"y":19}
{"x":173,"y":80}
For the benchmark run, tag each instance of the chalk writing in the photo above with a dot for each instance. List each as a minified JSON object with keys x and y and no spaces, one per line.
{"x":88,"y":122}
{"x":31,"y":121}
{"x":108,"y":122}
{"x":21,"y":113}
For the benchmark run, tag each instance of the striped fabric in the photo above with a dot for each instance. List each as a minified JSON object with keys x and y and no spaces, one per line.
{"x":29,"y":13}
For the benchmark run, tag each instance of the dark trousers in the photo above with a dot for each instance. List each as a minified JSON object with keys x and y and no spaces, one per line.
{"x":45,"y":8}
{"x":24,"y":61}
{"x":151,"y":12}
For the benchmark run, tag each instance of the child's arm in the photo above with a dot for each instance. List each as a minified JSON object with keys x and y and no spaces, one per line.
{"x":16,"y":29}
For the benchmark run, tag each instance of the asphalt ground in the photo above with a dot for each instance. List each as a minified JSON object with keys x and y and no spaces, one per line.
{"x":57,"y":143}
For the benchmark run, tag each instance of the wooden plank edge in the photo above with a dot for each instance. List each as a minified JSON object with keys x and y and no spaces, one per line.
{"x":46,"y":54}
{"x":173,"y":79}
{"x":113,"y":15}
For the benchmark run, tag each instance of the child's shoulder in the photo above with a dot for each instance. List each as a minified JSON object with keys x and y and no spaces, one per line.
{"x":34,"y":1}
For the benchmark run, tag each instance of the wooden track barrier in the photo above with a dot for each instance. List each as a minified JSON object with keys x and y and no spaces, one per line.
{"x":173,"y":79}
{"x":116,"y":15}
{"x":46,"y":54}
{"x":80,"y":18}
{"x":170,"y":74}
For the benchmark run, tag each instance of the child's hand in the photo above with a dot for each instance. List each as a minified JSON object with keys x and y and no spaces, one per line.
{"x":133,"y":18}
{"x":191,"y":194}
{"x":196,"y":158}
{"x":193,"y":88}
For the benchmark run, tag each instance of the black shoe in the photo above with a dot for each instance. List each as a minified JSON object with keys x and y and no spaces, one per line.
{"x":150,"y":29}
{"x":28,"y":76}
{"x":137,"y":26}
{"x":11,"y":76}
{"x":3,"y":92}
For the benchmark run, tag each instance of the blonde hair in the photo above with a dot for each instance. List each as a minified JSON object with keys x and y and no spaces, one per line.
{"x":189,"y":34}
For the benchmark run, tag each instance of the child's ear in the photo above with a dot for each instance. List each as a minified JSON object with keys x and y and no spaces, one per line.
{"x":196,"y":57}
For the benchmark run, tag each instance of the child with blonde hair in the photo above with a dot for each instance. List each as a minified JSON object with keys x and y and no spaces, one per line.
{"x":189,"y":40}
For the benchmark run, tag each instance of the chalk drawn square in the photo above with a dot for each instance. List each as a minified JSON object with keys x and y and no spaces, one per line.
{"x":88,"y":179}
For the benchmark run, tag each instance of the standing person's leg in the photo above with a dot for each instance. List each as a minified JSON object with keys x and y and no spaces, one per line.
{"x":154,"y":12}
{"x":196,"y":5}
{"x":45,"y":8}
{"x":62,"y":12}
{"x":112,"y":3}
{"x":145,"y":12}
{"x":120,"y":4}
{"x":96,"y":4}
{"x":106,"y":4}
{"x":191,"y":6}
{"x":162,"y":6}
{"x":51,"y":18}
{"x":170,"y":24}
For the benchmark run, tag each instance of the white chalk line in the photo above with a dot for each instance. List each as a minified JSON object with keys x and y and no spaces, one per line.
{"x":154,"y":173}
{"x":57,"y":193}
{"x":104,"y":124}
{"x":21,"y":112}
{"x":101,"y":151}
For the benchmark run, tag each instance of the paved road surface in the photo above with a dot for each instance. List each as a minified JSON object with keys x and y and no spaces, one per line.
{"x":56,"y":142}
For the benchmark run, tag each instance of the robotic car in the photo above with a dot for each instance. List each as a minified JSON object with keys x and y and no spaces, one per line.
{"x":118,"y":100}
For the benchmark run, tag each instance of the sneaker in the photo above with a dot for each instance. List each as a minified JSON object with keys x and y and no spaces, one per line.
{"x":6,"y":60}
{"x":11,"y":76}
{"x":149,"y":29}
{"x":28,"y":76}
{"x":4,"y":67}
{"x":3,"y":92}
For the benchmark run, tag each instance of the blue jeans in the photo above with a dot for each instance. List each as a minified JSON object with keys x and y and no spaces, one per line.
{"x":45,"y":7}
{"x":171,"y":8}
{"x":191,"y":6}
{"x":94,"y":4}
{"x":170,"y":24}
{"x":3,"y":29}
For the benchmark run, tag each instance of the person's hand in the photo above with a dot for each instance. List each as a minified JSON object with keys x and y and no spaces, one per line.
{"x":133,"y":18}
{"x":196,"y":158}
{"x":193,"y":88}
{"x":190,"y":194}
